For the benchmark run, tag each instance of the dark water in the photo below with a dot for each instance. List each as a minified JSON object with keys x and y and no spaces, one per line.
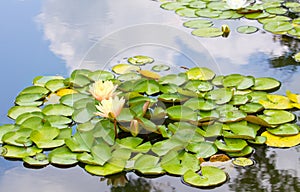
{"x":54,"y":37}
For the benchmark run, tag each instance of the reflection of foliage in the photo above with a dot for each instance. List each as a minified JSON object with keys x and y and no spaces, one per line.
{"x":286,"y":59}
{"x":136,"y":185}
{"x":264,"y":176}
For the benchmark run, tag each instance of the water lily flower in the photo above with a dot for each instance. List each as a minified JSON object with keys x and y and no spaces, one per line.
{"x":237,"y":4}
{"x":110,"y":108}
{"x":103,"y":90}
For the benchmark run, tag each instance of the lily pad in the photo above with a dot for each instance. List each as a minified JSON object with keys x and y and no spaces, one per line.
{"x":15,"y":111}
{"x":198,"y":86}
{"x":276,"y":117}
{"x":265,"y":84}
{"x":200,"y":73}
{"x":200,"y":104}
{"x":58,"y":109}
{"x":278,"y":26}
{"x":287,"y":129}
{"x":35,"y":89}
{"x":100,"y":75}
{"x":281,"y":141}
{"x":176,"y":79}
{"x":251,"y":108}
{"x":276,"y":10}
{"x":197,"y":4}
{"x":18,"y":138}
{"x":259,"y":140}
{"x":209,"y":13}
{"x":20,"y":152}
{"x":173,"y":5}
{"x":45,"y":137}
{"x":202,"y":149}
{"x":186,"y":12}
{"x":70,"y":99}
{"x":148,"y":164}
{"x":247,"y":29}
{"x":207,"y":32}
{"x":231,"y":145}
{"x":149,"y":74}
{"x":125,"y":68}
{"x":147,"y":86}
{"x":160,"y":67}
{"x":179,"y":112}
{"x":7,"y":128}
{"x":243,"y":161}
{"x":129,"y":77}
{"x":140,"y":60}
{"x":246,"y":151}
{"x":42,"y":80}
{"x":55,"y":84}
{"x":209,"y":176}
{"x":62,"y":156}
{"x":199,"y":23}
{"x":30,"y":99}
{"x":239,"y":81}
{"x":39,"y":159}
{"x":220,"y":96}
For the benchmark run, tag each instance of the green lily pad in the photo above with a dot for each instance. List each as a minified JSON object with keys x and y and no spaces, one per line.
{"x":197,"y":4}
{"x":35,"y":89}
{"x":239,"y":81}
{"x":39,"y":159}
{"x":240,"y":130}
{"x":246,"y":151}
{"x":58,"y":109}
{"x":62,"y":156}
{"x":287,"y":129}
{"x":218,"y":80}
{"x":232,"y":116}
{"x":231,"y":145}
{"x":259,"y":140}
{"x":247,"y":29}
{"x":55,"y":84}
{"x":199,"y":23}
{"x":116,"y":165}
{"x":168,"y":88}
{"x":45,"y":138}
{"x":101,"y":75}
{"x":202,"y":149}
{"x":198,"y":86}
{"x":147,"y":86}
{"x":276,"y":18}
{"x":20,"y":152}
{"x":81,"y":141}
{"x":209,"y":13}
{"x":176,"y":164}
{"x":256,"y":96}
{"x":220,"y":96}
{"x":276,"y":10}
{"x":257,"y":15}
{"x":163,"y":147}
{"x":276,"y":117}
{"x":23,"y":117}
{"x":129,"y":77}
{"x":251,"y":108}
{"x":291,"y":4}
{"x":176,"y":79}
{"x":200,"y":73}
{"x":33,"y":123}
{"x":160,"y":67}
{"x":18,"y":138}
{"x":7,"y":128}
{"x":186,"y":12}
{"x":42,"y":80}
{"x":15,"y":111}
{"x":172,"y":97}
{"x":207,"y":32}
{"x":173,"y":5}
{"x":58,"y":121}
{"x":218,"y":5}
{"x":243,"y":161}
{"x":278,"y":26}
{"x":148,"y":164}
{"x":79,"y":80}
{"x":200,"y":104}
{"x":125,"y":68}
{"x":140,"y":60}
{"x":30,"y":99}
{"x":209,"y":176}
{"x":213,"y":130}
{"x":179,"y":112}
{"x":265,"y":84}
{"x":239,"y":100}
{"x":70,"y":99}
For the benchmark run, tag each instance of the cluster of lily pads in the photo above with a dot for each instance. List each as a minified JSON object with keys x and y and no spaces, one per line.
{"x":167,"y":124}
{"x":277,"y":16}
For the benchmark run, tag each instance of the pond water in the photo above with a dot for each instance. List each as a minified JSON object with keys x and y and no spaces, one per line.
{"x":55,"y":37}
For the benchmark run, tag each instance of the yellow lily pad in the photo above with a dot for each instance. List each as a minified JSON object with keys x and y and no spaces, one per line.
{"x":276,"y":102}
{"x":125,"y":68}
{"x":293,"y":97}
{"x":149,"y":74}
{"x":281,"y":141}
{"x":243,"y":161}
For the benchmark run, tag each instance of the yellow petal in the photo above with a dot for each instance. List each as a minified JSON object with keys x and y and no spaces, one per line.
{"x":63,"y":92}
{"x":278,"y":141}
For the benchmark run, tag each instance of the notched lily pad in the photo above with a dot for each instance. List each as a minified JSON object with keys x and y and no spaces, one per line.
{"x":265,"y":84}
{"x":281,"y":141}
{"x":140,"y":60}
{"x":208,"y":176}
{"x":276,"y":117}
{"x":287,"y":129}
